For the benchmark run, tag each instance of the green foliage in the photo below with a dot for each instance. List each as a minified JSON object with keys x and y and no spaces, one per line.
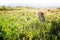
{"x":27,"y":26}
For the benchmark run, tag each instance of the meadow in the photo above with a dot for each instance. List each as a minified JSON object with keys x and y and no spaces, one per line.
{"x":24,"y":24}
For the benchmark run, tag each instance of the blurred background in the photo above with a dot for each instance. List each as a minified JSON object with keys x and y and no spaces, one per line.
{"x":32,"y":3}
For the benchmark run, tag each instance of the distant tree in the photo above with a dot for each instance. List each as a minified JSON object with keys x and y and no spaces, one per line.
{"x":3,"y":8}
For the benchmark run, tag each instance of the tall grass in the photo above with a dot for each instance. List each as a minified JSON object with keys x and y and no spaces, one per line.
{"x":27,"y":26}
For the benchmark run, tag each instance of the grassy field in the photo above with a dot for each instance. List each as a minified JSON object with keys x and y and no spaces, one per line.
{"x":24,"y":24}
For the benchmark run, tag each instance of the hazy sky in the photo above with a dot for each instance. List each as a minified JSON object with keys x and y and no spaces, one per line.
{"x":35,"y":3}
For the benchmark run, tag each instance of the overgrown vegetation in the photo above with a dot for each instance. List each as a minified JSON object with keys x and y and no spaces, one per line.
{"x":25,"y":25}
